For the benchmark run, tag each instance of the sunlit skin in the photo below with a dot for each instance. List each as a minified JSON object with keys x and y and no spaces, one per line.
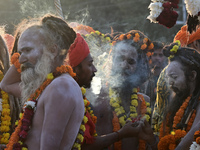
{"x":51,"y":127}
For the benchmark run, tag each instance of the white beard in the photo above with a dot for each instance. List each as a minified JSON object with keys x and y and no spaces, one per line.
{"x":32,"y":78}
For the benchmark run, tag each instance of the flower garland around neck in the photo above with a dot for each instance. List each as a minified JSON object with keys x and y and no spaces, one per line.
{"x":5,"y":116}
{"x":169,"y":140}
{"x":19,"y":136}
{"x":120,"y":117}
{"x":80,"y":136}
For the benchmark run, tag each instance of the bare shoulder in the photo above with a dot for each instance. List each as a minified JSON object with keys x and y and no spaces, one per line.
{"x":64,"y":89}
{"x":146,"y":97}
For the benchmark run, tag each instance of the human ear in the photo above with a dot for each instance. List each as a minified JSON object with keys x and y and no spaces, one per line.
{"x":54,"y":50}
{"x":193,"y":75}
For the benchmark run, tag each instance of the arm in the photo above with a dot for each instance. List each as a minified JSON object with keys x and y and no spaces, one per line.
{"x":63,"y":114}
{"x":10,"y":82}
{"x":129,"y":130}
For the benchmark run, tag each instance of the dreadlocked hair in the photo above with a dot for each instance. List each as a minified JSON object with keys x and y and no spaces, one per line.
{"x":142,"y":44}
{"x":190,"y":60}
{"x":60,"y":32}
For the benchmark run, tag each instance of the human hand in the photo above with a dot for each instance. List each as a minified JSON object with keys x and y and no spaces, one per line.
{"x":146,"y":132}
{"x":130,"y":129}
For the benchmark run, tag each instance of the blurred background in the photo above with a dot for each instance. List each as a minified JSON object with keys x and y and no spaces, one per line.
{"x":121,"y":15}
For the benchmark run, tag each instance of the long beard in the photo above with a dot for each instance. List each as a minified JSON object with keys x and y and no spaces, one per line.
{"x":32,"y":78}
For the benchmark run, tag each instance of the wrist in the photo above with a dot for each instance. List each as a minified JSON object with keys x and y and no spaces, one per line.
{"x":119,"y":135}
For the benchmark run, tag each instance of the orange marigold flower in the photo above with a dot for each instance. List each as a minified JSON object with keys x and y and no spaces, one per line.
{"x":145,"y":40}
{"x":113,"y":43}
{"x":136,"y":38}
{"x":172,"y":146}
{"x":149,"y":54}
{"x":150,"y":61}
{"x":129,"y":36}
{"x":198,"y":140}
{"x":144,"y":46}
{"x":121,"y":37}
{"x":151,"y":46}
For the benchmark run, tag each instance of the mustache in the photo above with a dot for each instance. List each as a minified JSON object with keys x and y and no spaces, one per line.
{"x":26,"y":66}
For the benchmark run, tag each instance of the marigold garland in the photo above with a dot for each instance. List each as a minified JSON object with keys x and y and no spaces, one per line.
{"x":119,"y":116}
{"x":19,"y":136}
{"x":5,"y":116}
{"x":170,"y":141}
{"x":15,"y":61}
{"x":80,"y":136}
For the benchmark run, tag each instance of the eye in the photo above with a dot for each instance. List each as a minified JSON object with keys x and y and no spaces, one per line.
{"x":174,"y":76}
{"x":131,"y":61}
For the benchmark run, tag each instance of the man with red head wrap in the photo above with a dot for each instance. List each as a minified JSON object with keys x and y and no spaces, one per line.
{"x":80,"y":59}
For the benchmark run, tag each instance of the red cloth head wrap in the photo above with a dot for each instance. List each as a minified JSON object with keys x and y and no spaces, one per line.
{"x":185,"y":38}
{"x":78,"y":51}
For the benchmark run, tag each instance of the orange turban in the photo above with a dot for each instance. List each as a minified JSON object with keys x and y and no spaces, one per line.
{"x":185,"y":38}
{"x":78,"y":51}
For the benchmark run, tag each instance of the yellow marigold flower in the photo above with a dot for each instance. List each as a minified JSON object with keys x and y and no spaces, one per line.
{"x":122,"y":121}
{"x":85,"y":102}
{"x":147,"y":104}
{"x":80,"y":137}
{"x":5,"y":106}
{"x":174,"y":49}
{"x":5,"y":123}
{"x":108,"y":39}
{"x":115,"y":105}
{"x":24,"y":148}
{"x":20,"y":142}
{"x":16,"y":123}
{"x":50,"y":76}
{"x":132,"y":109}
{"x":134,"y":90}
{"x":20,"y":115}
{"x":172,"y":133}
{"x":4,"y":128}
{"x":5,"y":96}
{"x":95,"y":135}
{"x":134,"y":103}
{"x":134,"y":115}
{"x":6,"y":135}
{"x":134,"y":96}
{"x":102,"y":35}
{"x":82,"y":127}
{"x":147,"y":117}
{"x":85,"y":119}
{"x":83,"y":90}
{"x":171,"y":56}
{"x":6,"y":118}
{"x":178,"y":42}
{"x":149,"y":110}
{"x":129,"y":119}
{"x":77,"y":145}
{"x":97,"y":32}
{"x":144,"y":46}
{"x":6,"y":112}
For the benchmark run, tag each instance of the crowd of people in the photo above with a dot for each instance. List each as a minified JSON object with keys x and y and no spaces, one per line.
{"x":69,"y":86}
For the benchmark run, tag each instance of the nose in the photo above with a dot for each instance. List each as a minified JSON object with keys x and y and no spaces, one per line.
{"x":22,"y":59}
{"x":171,"y":82}
{"x":94,"y":69}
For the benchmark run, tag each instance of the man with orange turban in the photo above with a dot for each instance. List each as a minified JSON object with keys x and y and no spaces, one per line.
{"x":80,"y":59}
